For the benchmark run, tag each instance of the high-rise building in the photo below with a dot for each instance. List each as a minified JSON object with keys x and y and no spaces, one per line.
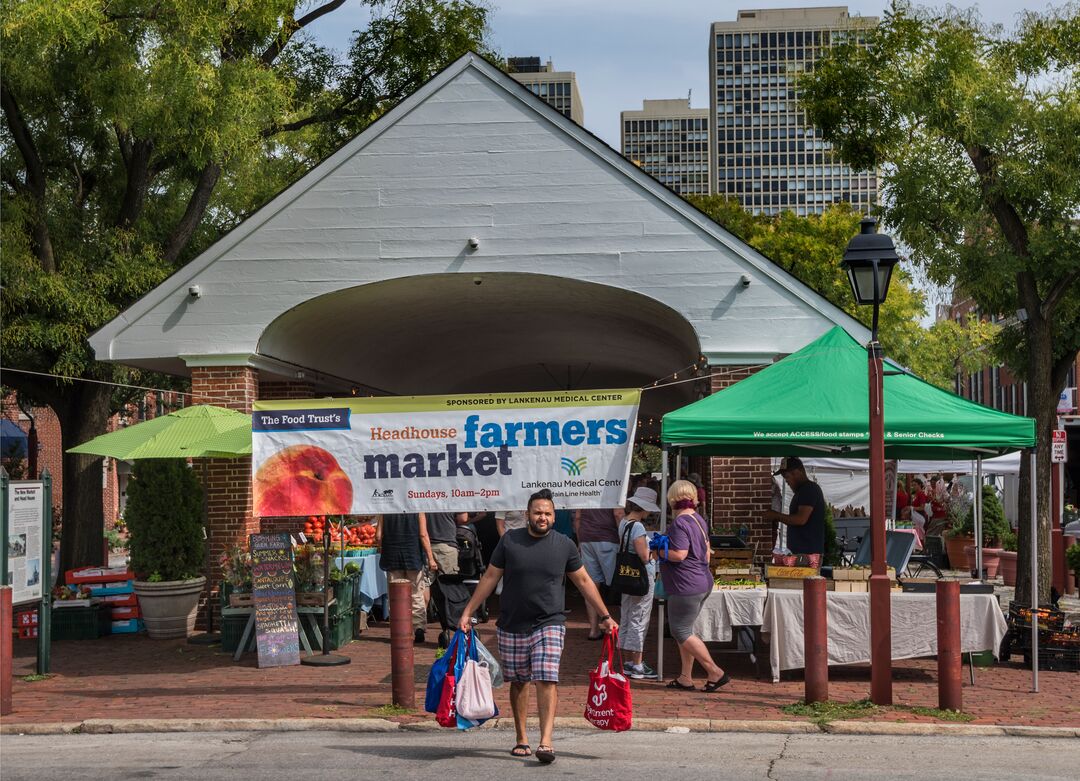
{"x":670,"y":141}
{"x":763,"y":151}
{"x":557,"y":88}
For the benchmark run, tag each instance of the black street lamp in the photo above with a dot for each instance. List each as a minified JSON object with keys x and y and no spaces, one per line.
{"x":869,"y":260}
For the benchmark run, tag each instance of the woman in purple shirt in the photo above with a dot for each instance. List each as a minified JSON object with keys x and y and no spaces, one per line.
{"x":688,"y":582}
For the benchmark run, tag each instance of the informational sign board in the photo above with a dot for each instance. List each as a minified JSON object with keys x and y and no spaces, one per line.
{"x":1059,"y":447}
{"x":445,"y":453}
{"x":1066,"y":405}
{"x":25,"y":542}
{"x":277,"y":625}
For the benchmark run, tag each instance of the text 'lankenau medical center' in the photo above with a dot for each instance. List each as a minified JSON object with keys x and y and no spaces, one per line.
{"x":764,"y":152}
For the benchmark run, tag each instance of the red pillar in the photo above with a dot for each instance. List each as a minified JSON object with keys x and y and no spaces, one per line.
{"x":950,"y":666}
{"x":880,"y":585}
{"x":815,"y":641}
{"x":401,"y":644}
{"x":6,"y":649}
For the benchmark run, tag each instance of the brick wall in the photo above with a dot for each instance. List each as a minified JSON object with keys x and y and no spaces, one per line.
{"x":227,"y":481}
{"x":741,"y":487}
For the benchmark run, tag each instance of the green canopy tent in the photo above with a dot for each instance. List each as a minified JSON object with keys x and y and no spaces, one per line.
{"x":201,"y":431}
{"x":816,"y":402}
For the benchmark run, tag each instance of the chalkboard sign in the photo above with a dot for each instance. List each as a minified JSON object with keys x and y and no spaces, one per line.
{"x":277,"y":625}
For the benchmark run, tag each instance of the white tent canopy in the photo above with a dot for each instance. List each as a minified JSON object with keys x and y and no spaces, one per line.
{"x":1008,"y":464}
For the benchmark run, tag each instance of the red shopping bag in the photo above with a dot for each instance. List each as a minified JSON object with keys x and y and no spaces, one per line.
{"x":608,"y":704}
{"x":446,"y":715}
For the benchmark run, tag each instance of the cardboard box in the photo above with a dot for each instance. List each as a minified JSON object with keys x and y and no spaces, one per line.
{"x":844,"y":573}
{"x":852,"y":586}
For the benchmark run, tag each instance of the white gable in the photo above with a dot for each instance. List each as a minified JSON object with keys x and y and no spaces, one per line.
{"x":472,"y":154}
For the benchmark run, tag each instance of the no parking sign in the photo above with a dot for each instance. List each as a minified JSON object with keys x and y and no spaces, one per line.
{"x":1059,"y":453}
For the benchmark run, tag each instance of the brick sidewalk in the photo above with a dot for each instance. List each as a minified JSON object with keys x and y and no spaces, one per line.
{"x":127,"y":676}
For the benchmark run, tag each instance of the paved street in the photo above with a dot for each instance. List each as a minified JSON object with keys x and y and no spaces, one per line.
{"x":405,"y":756}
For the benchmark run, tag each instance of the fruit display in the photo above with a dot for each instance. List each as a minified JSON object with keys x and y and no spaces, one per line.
{"x":301,"y":479}
{"x":728,"y":584}
{"x":361,"y":535}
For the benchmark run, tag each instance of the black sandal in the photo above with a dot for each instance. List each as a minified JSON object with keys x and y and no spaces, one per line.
{"x":711,"y":686}
{"x":546,"y":754}
{"x":675,"y":683}
{"x":521,"y":750}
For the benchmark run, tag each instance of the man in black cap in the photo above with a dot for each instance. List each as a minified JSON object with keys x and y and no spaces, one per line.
{"x":806,"y":515}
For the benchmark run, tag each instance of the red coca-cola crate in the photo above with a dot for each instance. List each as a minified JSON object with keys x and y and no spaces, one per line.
{"x":98,"y":575}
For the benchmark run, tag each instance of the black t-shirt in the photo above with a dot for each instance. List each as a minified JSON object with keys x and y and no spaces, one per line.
{"x":811,"y":537}
{"x":441,"y":527}
{"x":534,"y":594}
{"x":401,"y":548}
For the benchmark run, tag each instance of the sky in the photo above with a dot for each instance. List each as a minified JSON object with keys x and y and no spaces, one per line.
{"x":624,"y":51}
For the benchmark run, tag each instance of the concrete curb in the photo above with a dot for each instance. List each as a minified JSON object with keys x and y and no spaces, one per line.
{"x":373,"y":725}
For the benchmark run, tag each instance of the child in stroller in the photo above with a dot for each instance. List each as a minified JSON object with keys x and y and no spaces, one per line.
{"x":450,"y":593}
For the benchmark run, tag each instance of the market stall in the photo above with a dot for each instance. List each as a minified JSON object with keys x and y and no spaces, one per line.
{"x":814,"y":403}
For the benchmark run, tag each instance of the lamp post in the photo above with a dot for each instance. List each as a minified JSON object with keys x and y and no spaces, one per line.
{"x":869,"y":260}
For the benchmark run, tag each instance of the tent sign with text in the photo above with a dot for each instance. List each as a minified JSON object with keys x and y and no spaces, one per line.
{"x":442,"y":453}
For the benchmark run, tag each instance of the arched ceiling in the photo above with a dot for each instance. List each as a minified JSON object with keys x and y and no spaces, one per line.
{"x":486,"y":333}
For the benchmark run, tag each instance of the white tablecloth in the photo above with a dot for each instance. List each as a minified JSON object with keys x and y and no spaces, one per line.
{"x":914,"y":626}
{"x":727,"y":608}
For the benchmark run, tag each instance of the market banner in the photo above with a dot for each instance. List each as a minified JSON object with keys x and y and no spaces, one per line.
{"x":442,"y":453}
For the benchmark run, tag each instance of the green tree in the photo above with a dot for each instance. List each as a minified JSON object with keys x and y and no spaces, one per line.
{"x":975,"y":134}
{"x":811,"y":249}
{"x":137,"y":131}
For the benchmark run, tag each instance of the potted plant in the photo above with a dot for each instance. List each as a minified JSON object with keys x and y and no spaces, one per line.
{"x":1072,"y":558}
{"x":994,"y":529}
{"x":236,"y":573}
{"x":165,"y":537}
{"x":1007,"y":567}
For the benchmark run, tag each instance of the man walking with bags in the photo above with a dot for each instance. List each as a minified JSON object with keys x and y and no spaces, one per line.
{"x":532,"y":616}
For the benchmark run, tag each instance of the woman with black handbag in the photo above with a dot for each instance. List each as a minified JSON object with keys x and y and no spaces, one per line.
{"x":635,"y":577}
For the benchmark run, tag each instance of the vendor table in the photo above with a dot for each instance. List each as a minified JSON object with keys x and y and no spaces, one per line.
{"x":727,"y":608}
{"x":313,"y":615}
{"x":371,"y":587}
{"x":914,"y":626}
{"x":734,"y":610}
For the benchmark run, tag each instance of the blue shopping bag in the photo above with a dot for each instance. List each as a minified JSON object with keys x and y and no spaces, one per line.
{"x":437,"y":675}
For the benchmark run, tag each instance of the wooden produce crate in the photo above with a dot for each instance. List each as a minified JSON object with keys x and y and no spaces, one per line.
{"x":845,"y":573}
{"x":731,"y":557}
{"x":796,"y":583}
{"x":798,"y":573}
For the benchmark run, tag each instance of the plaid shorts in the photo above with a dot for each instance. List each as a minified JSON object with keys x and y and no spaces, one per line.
{"x":532,"y":657}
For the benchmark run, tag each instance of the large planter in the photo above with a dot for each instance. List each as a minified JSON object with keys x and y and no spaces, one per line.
{"x":991,"y":561}
{"x":168,"y":608}
{"x":954,"y":547}
{"x":1007,"y":567}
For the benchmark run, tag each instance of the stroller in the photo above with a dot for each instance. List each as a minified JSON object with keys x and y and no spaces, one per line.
{"x":450,"y":593}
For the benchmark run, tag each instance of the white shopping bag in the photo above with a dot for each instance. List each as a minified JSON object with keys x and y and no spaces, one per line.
{"x":473,"y":692}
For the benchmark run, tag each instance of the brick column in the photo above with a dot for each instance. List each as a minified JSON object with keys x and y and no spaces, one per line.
{"x":741,"y":487}
{"x":227,"y":481}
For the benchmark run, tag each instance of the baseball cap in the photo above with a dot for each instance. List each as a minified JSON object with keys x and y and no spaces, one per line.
{"x":789,"y":463}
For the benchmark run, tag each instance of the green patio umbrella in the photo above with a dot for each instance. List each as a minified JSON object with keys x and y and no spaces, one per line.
{"x":202,"y":431}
